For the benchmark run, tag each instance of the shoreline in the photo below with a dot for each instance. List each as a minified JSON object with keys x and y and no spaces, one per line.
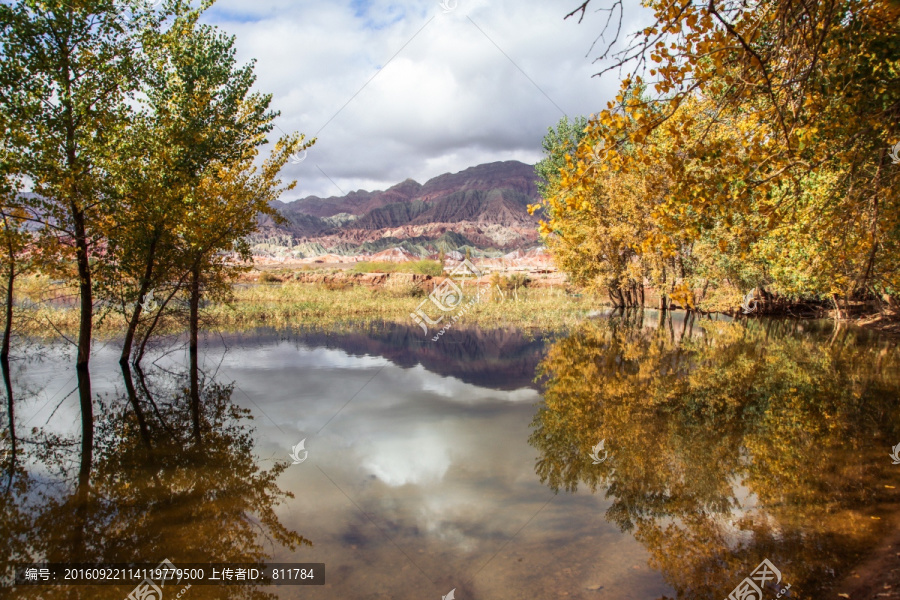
{"x":321,"y":299}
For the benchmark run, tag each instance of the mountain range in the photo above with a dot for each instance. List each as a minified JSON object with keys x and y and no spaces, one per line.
{"x":483,"y":208}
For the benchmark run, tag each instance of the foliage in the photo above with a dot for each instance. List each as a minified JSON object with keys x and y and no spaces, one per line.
{"x":753,"y":153}
{"x":141,"y":139}
{"x":557,"y":144}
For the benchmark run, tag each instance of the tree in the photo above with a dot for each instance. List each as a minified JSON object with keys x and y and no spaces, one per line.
{"x":66,"y":74}
{"x":557,"y":144}
{"x":224,"y":210}
{"x":14,"y":240}
{"x":198,"y":116}
{"x":67,"y":71}
{"x":780,"y":117}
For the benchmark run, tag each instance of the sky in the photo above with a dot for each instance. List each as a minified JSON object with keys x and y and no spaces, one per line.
{"x":415,"y":88}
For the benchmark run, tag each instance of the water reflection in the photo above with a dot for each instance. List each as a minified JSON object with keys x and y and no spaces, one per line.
{"x":154,"y":489}
{"x":728,"y":443}
{"x":500,"y":359}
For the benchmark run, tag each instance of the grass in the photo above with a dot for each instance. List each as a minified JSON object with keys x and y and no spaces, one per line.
{"x":419,"y":267}
{"x":294,"y":304}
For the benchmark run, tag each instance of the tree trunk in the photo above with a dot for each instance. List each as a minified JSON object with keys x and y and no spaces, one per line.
{"x":662,"y":293}
{"x":837,"y":306}
{"x":10,"y":411}
{"x":194,"y":367}
{"x":7,"y":330}
{"x":152,"y":327}
{"x":135,"y":404}
{"x":864,"y":284}
{"x":84,"y":354}
{"x":139,"y":304}
{"x":87,"y":430}
{"x":84,"y":284}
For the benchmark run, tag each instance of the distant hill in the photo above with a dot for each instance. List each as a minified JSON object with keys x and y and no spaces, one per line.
{"x":483,"y":208}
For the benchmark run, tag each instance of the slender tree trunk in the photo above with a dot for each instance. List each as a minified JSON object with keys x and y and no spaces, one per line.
{"x":84,"y":276}
{"x":84,"y":355}
{"x":663,"y":304}
{"x":87,"y":425}
{"x":139,"y":305}
{"x":11,"y":414}
{"x":76,"y":213}
{"x":684,"y":326}
{"x":837,"y":306}
{"x":133,"y":399}
{"x":194,"y":367}
{"x":7,"y":330}
{"x":152,"y":327}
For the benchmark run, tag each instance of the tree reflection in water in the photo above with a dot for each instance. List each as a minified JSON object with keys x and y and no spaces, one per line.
{"x":728,"y":443}
{"x":155,"y":491}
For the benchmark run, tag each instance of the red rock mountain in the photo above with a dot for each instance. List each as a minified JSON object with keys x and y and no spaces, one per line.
{"x":483,"y":207}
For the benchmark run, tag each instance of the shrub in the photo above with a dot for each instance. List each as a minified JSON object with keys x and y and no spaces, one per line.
{"x":267,"y":277}
{"x":419,"y":267}
{"x":426,"y":267}
{"x":337,"y":285}
{"x":516,"y":280}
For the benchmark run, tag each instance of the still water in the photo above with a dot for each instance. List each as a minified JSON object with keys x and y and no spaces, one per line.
{"x":472,"y":464}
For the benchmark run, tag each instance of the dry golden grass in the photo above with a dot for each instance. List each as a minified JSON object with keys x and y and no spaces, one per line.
{"x":47,"y":312}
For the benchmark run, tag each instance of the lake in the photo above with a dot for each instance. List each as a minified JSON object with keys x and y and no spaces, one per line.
{"x":637,"y":457}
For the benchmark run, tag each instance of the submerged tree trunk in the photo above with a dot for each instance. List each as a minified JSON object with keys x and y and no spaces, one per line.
{"x":84,"y":354}
{"x":87,"y":426}
{"x":194,"y":370}
{"x":135,"y":404}
{"x":11,"y":414}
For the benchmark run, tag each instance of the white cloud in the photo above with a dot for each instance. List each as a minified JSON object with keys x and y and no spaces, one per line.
{"x":448,"y":100}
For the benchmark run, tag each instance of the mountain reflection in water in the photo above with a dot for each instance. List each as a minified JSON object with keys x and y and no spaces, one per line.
{"x":439,"y":466}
